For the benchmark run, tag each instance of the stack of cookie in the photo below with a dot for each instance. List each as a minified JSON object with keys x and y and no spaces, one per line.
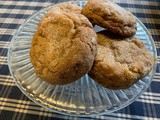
{"x":121,"y":58}
{"x":65,"y":47}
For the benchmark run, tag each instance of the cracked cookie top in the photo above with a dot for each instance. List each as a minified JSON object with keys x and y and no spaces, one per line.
{"x":63,"y":48}
{"x":62,"y":8}
{"x":111,"y":16}
{"x":120,"y":62}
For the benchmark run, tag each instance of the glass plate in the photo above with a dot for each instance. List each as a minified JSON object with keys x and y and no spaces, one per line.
{"x":81,"y":98}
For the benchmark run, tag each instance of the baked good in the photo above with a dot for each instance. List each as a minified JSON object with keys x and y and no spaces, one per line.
{"x":120,"y":62}
{"x":111,"y":16}
{"x":63,"y":48}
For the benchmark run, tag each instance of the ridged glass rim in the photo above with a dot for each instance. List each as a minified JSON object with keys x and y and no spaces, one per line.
{"x":73,"y":114}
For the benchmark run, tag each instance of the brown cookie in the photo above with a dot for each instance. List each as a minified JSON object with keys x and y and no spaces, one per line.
{"x":63,"y":48}
{"x":120,"y":62}
{"x":110,"y":16}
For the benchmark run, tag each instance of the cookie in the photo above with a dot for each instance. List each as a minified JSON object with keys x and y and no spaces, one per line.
{"x":110,"y":16}
{"x":120,"y":62}
{"x":63,"y":48}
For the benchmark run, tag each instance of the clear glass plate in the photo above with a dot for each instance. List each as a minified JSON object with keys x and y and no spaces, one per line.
{"x":81,"y":98}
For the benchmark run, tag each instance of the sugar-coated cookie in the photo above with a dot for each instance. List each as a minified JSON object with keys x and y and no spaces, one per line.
{"x":63,"y":48}
{"x":120,"y":62}
{"x":111,"y":16}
